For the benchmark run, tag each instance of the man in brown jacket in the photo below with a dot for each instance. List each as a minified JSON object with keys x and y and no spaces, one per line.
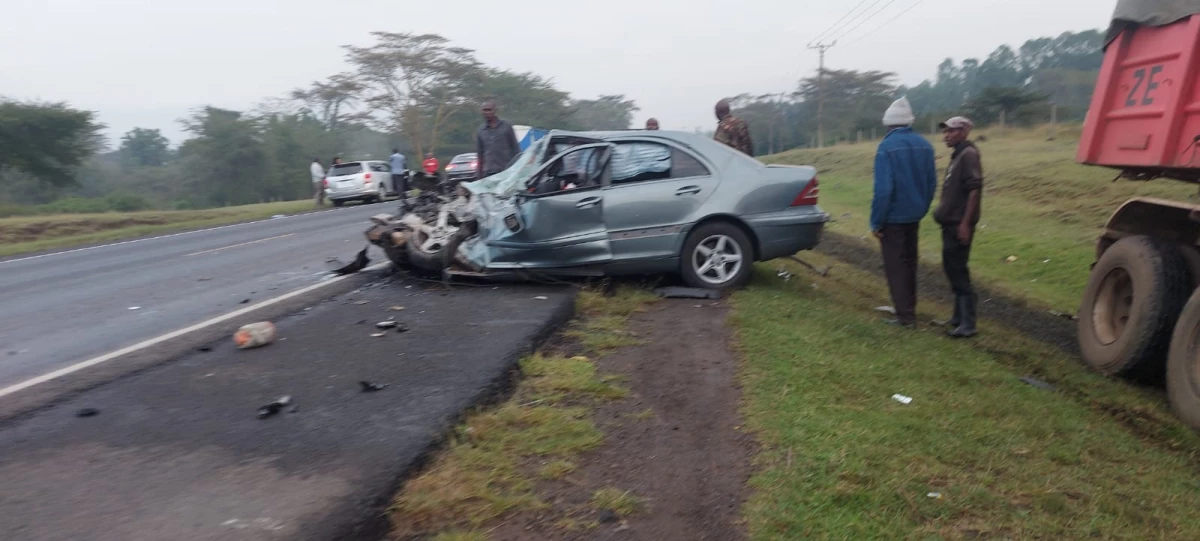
{"x":958,"y":213}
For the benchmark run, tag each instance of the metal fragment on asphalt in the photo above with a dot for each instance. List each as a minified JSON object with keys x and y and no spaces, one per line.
{"x":386,"y":324}
{"x":369,"y":387}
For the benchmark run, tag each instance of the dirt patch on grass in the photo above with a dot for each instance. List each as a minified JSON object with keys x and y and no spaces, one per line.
{"x":665,"y":456}
{"x":674,"y":449}
{"x":51,"y":228}
{"x":1039,"y":324}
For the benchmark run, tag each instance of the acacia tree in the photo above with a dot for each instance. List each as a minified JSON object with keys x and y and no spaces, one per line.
{"x":416,"y":82}
{"x":47,"y":140}
{"x":330,"y":101}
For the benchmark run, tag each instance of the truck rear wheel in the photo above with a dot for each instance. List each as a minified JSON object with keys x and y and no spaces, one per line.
{"x":1134,"y":296}
{"x":1183,"y":365}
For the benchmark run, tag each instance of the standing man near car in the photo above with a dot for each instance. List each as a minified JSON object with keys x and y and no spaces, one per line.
{"x":732,"y":130}
{"x":495,"y":143}
{"x":957,"y":213}
{"x":318,"y":181}
{"x":652,"y":124}
{"x":399,"y":166}
{"x":905,"y":181}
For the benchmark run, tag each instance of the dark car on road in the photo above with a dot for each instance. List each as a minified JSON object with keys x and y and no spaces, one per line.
{"x":463,"y":167}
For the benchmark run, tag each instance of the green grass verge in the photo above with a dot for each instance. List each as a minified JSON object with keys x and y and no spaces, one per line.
{"x":491,"y":465}
{"x":1038,"y":205}
{"x":976,"y":454}
{"x":35,"y":233}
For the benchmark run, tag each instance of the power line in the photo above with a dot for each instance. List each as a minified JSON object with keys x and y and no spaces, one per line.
{"x":889,"y":21}
{"x":869,"y":17}
{"x":831,"y":27}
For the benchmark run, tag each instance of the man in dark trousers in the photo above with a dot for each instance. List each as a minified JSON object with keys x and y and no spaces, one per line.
{"x":905,"y":181}
{"x":958,"y":213}
{"x":495,"y":143}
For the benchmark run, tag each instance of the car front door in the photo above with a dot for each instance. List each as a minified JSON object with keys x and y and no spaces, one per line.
{"x":649,"y":202}
{"x":560,"y":218}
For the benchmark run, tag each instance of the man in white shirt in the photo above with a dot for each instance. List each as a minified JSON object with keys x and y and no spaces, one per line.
{"x":318,"y":180}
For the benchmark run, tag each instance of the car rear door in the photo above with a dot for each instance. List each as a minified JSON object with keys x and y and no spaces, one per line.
{"x":561,"y":217}
{"x":647,"y":209}
{"x":346,"y":177}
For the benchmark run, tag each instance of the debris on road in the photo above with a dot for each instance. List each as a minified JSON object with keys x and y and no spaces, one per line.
{"x":254,"y":335}
{"x":87,"y":412}
{"x":542,"y":297}
{"x":360,"y":262}
{"x":783,"y":273}
{"x":274,"y":407}
{"x":378,"y":335}
{"x":278,"y":216}
{"x":204,"y":349}
{"x":401,"y":328}
{"x":386,"y":325}
{"x":360,"y":303}
{"x":902,"y":399}
{"x":245,"y":301}
{"x":687,"y":293}
{"x":135,"y":307}
{"x":1039,"y":383}
{"x":368,"y":387}
{"x":821,"y":271}
{"x":396,"y":308}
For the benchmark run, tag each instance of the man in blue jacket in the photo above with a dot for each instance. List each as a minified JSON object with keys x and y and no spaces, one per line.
{"x":905,"y":182}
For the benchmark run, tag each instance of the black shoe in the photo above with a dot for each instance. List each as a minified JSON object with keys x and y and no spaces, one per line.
{"x":898,"y":323}
{"x":954,"y":320}
{"x":966,"y":306}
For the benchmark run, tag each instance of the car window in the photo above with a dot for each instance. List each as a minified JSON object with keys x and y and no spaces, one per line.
{"x":684,"y":165}
{"x":381,"y":167}
{"x":581,"y":168}
{"x":343,"y":169}
{"x":640,"y":161}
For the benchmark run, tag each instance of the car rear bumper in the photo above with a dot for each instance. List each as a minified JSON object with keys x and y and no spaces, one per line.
{"x":788,"y":231}
{"x":357,"y":193}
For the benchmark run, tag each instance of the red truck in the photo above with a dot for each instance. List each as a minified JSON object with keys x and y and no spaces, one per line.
{"x":1141,"y":305}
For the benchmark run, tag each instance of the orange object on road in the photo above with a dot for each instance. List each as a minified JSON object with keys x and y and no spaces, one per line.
{"x":254,"y":335}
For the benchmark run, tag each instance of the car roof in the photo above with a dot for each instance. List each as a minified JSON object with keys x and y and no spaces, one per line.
{"x":465,"y":156}
{"x":721,"y":155}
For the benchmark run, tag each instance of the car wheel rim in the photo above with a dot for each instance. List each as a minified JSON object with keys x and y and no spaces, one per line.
{"x":1114,"y":306}
{"x":432,"y":239}
{"x":717,"y":259}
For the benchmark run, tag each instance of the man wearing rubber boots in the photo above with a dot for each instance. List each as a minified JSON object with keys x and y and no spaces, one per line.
{"x":958,"y":213}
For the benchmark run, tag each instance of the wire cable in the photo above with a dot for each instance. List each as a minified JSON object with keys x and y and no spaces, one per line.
{"x":869,"y":17}
{"x":889,"y":21}
{"x":835,"y":24}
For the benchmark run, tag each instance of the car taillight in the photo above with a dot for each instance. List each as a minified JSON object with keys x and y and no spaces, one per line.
{"x":808,"y":196}
{"x":367,"y":176}
{"x":475,"y":164}
{"x":325,"y":182}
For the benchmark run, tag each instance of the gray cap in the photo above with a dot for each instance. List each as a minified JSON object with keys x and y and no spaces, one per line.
{"x":957,"y":123}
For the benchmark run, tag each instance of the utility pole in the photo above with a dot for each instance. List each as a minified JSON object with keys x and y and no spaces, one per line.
{"x":821,"y":48}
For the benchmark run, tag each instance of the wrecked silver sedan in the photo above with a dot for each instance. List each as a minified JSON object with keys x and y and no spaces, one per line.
{"x":610,"y":203}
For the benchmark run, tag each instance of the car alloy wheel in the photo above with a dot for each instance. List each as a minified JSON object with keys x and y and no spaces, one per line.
{"x":717,"y":259}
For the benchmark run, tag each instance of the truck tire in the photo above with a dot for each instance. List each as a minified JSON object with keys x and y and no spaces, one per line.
{"x":1134,"y":296}
{"x":1191,"y":258}
{"x":1183,"y":365}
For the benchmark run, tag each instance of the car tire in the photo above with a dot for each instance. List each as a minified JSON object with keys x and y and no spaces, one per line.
{"x":705,"y":261}
{"x":381,"y":196}
{"x":338,"y":202}
{"x":1133,"y":298}
{"x":1183,"y":365}
{"x":398,"y":255}
{"x":427,"y":260}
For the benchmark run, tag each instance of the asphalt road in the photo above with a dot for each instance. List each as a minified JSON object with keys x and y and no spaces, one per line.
{"x":61,"y":308}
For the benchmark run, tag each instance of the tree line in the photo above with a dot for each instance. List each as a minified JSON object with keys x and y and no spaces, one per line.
{"x":416,"y":92}
{"x":1020,"y":86}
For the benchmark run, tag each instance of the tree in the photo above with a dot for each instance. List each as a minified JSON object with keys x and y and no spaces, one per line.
{"x":417,"y":82}
{"x":610,"y":112}
{"x":1001,"y":102}
{"x":225,"y":161}
{"x":330,"y":101}
{"x":144,"y":147}
{"x":47,"y":141}
{"x":854,"y":100}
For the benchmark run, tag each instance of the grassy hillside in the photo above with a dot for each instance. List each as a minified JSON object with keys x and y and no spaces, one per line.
{"x":1039,"y":205}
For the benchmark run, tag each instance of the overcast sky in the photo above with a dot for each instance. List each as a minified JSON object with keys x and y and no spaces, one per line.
{"x":146,"y":63}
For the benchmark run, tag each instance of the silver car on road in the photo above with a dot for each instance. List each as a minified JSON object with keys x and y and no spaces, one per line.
{"x":626,"y":202}
{"x":368,"y":181}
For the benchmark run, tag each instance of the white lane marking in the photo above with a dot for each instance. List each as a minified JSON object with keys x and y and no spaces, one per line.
{"x":64,"y":252}
{"x":172,"y":335}
{"x":237,"y":245}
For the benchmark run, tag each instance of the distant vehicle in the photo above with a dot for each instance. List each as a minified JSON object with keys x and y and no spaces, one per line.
{"x":597,"y":203}
{"x":1142,"y":302}
{"x":366,"y":181}
{"x":463,"y":167}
